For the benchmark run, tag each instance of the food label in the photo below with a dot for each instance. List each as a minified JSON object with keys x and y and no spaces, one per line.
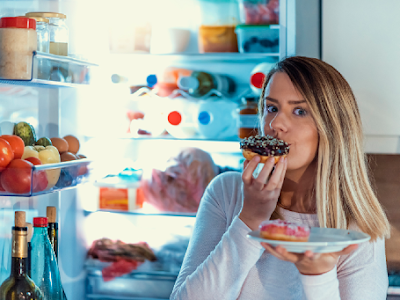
{"x":248,"y":121}
{"x":119,"y":199}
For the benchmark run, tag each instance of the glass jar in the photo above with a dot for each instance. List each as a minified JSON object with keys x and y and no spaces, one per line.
{"x":43,"y":34}
{"x":18,"y":40}
{"x":59,"y":32}
{"x":248,"y":118}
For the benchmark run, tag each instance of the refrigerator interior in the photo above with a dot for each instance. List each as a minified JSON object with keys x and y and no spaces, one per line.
{"x":96,"y":114}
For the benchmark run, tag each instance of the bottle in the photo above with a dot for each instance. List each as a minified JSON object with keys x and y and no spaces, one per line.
{"x":30,"y":233}
{"x":248,"y":117}
{"x":44,"y":270}
{"x":19,"y":286}
{"x":52,"y":231}
{"x":200,"y":84}
{"x":257,"y":76}
{"x":217,"y":119}
{"x":180,"y":118}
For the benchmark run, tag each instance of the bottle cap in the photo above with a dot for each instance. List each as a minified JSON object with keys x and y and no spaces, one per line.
{"x":188,"y":82}
{"x":257,"y":79}
{"x":18,"y":22}
{"x":204,"y":118}
{"x":40,"y":222}
{"x":151,"y":80}
{"x":51,"y":214}
{"x":174,"y":118}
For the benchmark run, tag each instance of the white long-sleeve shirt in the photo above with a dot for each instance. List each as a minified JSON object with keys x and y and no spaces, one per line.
{"x":222,"y":263}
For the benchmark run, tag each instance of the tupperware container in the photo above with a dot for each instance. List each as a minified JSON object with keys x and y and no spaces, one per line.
{"x":256,"y":12}
{"x":258,"y":38}
{"x":218,"y":19}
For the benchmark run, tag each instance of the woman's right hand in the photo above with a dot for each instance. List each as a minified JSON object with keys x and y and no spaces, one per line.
{"x":260,"y":195}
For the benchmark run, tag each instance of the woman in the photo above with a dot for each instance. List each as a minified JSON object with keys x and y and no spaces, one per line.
{"x":323,"y":182}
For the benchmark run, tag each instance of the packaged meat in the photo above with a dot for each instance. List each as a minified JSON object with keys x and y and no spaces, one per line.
{"x":256,"y":12}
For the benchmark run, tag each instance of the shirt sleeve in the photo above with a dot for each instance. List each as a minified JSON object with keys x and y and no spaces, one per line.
{"x":219,"y":256}
{"x":360,"y":275}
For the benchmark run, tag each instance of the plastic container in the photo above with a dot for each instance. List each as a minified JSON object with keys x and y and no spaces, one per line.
{"x":18,"y":40}
{"x":59,"y":32}
{"x":258,"y":38}
{"x":217,"y":30}
{"x":169,"y":40}
{"x":180,"y":118}
{"x":248,"y":118}
{"x":257,"y":12}
{"x":217,"y":119}
{"x":257,"y":77}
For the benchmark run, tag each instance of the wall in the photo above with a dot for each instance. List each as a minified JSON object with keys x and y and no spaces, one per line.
{"x":359,"y":38}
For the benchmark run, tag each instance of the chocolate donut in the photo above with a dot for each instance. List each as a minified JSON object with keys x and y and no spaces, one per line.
{"x":263,"y":146}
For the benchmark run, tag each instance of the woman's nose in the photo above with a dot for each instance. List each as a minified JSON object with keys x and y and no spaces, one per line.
{"x":279,"y":123}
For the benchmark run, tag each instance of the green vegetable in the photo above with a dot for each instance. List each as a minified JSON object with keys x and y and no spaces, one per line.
{"x":44,"y":141}
{"x":26,"y":132}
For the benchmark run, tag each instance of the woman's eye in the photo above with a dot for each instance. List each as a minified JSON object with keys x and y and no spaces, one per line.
{"x":271,"y":108}
{"x":300,"y":112}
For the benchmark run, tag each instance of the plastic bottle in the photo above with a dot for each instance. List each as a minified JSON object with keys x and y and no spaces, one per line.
{"x":200,"y":84}
{"x":258,"y":75}
{"x":44,"y":267}
{"x":248,"y":117}
{"x":180,"y":118}
{"x":217,"y":119}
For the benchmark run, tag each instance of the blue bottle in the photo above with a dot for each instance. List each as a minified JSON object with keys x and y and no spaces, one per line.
{"x":44,"y":267}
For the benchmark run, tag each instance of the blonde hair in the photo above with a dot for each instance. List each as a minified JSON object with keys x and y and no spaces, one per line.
{"x":343,"y":189}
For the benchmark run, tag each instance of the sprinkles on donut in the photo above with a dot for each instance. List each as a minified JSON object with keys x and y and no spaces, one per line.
{"x":263,"y":146}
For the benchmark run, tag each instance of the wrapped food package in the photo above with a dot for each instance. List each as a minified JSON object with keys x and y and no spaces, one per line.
{"x":181,"y":185}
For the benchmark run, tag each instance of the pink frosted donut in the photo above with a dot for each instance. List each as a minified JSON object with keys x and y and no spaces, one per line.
{"x":284,"y":231}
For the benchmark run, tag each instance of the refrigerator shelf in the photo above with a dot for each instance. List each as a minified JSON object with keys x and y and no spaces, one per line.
{"x":55,"y":71}
{"x":142,"y":212}
{"x":60,"y":176}
{"x":103,"y":297}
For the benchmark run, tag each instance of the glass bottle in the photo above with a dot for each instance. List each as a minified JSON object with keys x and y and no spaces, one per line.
{"x":45,"y":271}
{"x":248,"y":118}
{"x":19,"y":286}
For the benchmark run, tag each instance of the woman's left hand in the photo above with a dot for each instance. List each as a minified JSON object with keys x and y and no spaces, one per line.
{"x":309,"y":263}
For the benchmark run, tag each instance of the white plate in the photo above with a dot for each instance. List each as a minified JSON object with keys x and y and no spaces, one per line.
{"x":321,"y":240}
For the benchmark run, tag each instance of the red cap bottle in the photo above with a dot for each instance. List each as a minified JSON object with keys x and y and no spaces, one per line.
{"x":40,"y":222}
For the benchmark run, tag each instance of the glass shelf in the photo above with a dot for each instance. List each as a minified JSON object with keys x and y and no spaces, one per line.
{"x":142,"y":212}
{"x":59,"y":176}
{"x":54,"y":71}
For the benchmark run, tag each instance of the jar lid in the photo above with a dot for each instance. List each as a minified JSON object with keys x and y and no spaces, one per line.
{"x":17,"y":22}
{"x":46,"y":15}
{"x":38,"y":19}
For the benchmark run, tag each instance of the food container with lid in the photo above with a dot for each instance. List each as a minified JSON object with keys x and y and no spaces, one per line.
{"x":43,"y":34}
{"x":218,"y":19}
{"x":258,"y":38}
{"x":18,"y":40}
{"x":59,"y":32}
{"x":256,"y":12}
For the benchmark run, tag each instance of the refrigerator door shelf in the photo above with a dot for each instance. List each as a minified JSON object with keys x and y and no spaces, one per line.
{"x":54,"y":71}
{"x":47,"y":178}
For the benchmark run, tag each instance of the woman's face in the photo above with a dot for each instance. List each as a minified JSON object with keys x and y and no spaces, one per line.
{"x":287,"y":117}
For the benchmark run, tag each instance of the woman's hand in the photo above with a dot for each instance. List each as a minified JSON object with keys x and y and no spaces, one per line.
{"x":259,"y":196}
{"x":309,"y":263}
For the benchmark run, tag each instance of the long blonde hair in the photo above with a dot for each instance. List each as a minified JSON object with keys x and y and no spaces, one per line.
{"x":343,"y":189}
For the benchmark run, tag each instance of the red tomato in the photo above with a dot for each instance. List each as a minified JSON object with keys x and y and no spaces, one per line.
{"x":16,"y":178}
{"x":6,"y":153}
{"x":16,"y":143}
{"x":39,"y":177}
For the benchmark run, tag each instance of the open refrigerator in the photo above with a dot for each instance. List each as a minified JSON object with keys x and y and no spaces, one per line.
{"x":94,"y":109}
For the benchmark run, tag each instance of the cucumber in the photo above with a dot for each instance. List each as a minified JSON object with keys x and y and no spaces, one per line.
{"x":26,"y":132}
{"x":44,"y":141}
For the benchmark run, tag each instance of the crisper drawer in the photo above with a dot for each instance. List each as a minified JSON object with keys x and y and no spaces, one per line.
{"x":141,"y":285}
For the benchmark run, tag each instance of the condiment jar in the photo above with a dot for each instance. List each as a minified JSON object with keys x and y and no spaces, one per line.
{"x":18,"y":40}
{"x":248,"y":118}
{"x":59,"y":32}
{"x":43,"y":34}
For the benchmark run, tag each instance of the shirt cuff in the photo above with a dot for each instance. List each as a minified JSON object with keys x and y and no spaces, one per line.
{"x":312,"y":280}
{"x":239,"y":227}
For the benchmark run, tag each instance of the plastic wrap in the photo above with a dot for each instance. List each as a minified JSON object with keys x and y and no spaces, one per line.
{"x":180,"y":187}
